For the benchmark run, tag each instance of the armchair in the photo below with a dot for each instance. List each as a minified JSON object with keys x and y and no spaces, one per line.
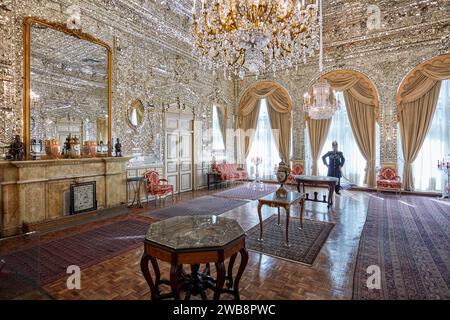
{"x":389,"y":180}
{"x":297,"y":170}
{"x":156,"y":186}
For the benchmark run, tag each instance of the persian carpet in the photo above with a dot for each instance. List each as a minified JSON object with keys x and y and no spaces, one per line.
{"x":248,"y":191}
{"x":408,"y":238}
{"x":305,"y":244}
{"x":205,"y":205}
{"x":41,"y":264}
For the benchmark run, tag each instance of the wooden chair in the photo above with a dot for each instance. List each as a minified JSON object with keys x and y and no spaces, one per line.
{"x":297,"y":170}
{"x":389,"y":180}
{"x":157,"y":187}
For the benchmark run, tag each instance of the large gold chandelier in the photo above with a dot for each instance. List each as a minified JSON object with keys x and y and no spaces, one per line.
{"x":255,"y":36}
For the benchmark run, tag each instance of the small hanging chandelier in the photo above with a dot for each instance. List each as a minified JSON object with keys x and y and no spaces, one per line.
{"x":322,"y":104}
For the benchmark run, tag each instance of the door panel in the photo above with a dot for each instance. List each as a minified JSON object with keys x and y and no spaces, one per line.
{"x":172,"y":146}
{"x":186,"y":146}
{"x":172,"y":167}
{"x":179,"y":153}
{"x":173,"y":180}
{"x":186,"y":182}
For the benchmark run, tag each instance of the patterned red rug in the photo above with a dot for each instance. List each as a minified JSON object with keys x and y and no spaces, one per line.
{"x":42,"y":264}
{"x":248,"y":191}
{"x":408,"y":238}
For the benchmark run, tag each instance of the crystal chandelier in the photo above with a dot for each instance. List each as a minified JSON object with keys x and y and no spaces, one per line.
{"x":254,"y":36}
{"x":322,"y":104}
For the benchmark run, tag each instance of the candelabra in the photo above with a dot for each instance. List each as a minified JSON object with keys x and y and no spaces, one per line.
{"x":445,"y":168}
{"x":256,"y":161}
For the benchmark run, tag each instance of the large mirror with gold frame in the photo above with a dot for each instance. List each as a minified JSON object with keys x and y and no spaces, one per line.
{"x":67,"y":87}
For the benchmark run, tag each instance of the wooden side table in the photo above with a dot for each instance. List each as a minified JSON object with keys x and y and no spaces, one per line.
{"x":137,"y":183}
{"x":194,"y":240}
{"x":213,"y":178}
{"x":318,"y":181}
{"x":272,"y":200}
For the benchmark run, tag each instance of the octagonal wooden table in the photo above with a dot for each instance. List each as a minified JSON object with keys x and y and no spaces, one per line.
{"x":194,"y":240}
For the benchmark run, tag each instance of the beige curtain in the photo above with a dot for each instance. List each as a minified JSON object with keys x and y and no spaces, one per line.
{"x":416,"y":102}
{"x":247,"y":127}
{"x":280,"y":122}
{"x":362,"y":121}
{"x":318,"y":131}
{"x":362,"y":108}
{"x":221,"y":117}
{"x":415,"y":121}
{"x":279,"y":108}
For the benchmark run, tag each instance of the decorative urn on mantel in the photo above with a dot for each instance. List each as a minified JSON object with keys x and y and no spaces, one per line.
{"x":282,"y":175}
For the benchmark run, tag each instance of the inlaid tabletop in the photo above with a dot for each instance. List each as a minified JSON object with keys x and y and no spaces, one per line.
{"x":194,"y":232}
{"x":317,"y":178}
{"x":291,"y":197}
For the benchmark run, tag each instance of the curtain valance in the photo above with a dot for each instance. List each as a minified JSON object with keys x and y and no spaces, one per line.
{"x":276,"y":95}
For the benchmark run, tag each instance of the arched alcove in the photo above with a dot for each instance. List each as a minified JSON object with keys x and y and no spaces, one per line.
{"x":362,"y":111}
{"x":276,"y":99}
{"x":417,"y":100}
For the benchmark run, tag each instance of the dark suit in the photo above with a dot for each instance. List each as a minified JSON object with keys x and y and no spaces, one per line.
{"x":336,"y":160}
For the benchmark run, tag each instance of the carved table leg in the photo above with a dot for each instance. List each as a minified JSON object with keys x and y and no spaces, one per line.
{"x":154,"y":292}
{"x":220,"y":268}
{"x":287,"y":209}
{"x":260,"y":222}
{"x":244,"y":260}
{"x":174,"y":271}
{"x":302,"y":209}
{"x":157,"y":272}
{"x":138,"y":194}
{"x":330,"y":195}
{"x":229,"y":283}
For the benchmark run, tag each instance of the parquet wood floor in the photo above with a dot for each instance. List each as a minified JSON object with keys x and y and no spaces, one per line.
{"x":331,"y":276}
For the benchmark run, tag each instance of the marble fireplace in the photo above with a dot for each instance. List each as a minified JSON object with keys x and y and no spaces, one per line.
{"x":33,"y":192}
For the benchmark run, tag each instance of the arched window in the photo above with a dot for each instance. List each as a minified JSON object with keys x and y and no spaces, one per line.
{"x":436,"y":146}
{"x":354,"y":126}
{"x":422,"y":102}
{"x":264,"y":124}
{"x":263,"y":146}
{"x":341,"y":131}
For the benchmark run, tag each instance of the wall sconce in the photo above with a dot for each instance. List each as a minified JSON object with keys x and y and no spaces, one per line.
{"x":164,"y":106}
{"x":179,"y":105}
{"x":73,"y":21}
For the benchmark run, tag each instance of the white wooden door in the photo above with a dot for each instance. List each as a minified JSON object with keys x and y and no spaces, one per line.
{"x":179,"y":166}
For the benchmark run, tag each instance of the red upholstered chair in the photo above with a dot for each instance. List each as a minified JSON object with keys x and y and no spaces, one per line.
{"x":155,"y":186}
{"x":389,"y":180}
{"x":297,"y":170}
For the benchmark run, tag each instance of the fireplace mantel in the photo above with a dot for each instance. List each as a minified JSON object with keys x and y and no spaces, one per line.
{"x":34,"y":191}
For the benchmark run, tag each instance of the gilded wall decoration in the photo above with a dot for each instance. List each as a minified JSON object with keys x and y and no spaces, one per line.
{"x":409,"y":33}
{"x":153,"y":60}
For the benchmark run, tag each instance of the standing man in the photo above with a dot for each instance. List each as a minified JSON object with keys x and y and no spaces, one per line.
{"x":335,"y":163}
